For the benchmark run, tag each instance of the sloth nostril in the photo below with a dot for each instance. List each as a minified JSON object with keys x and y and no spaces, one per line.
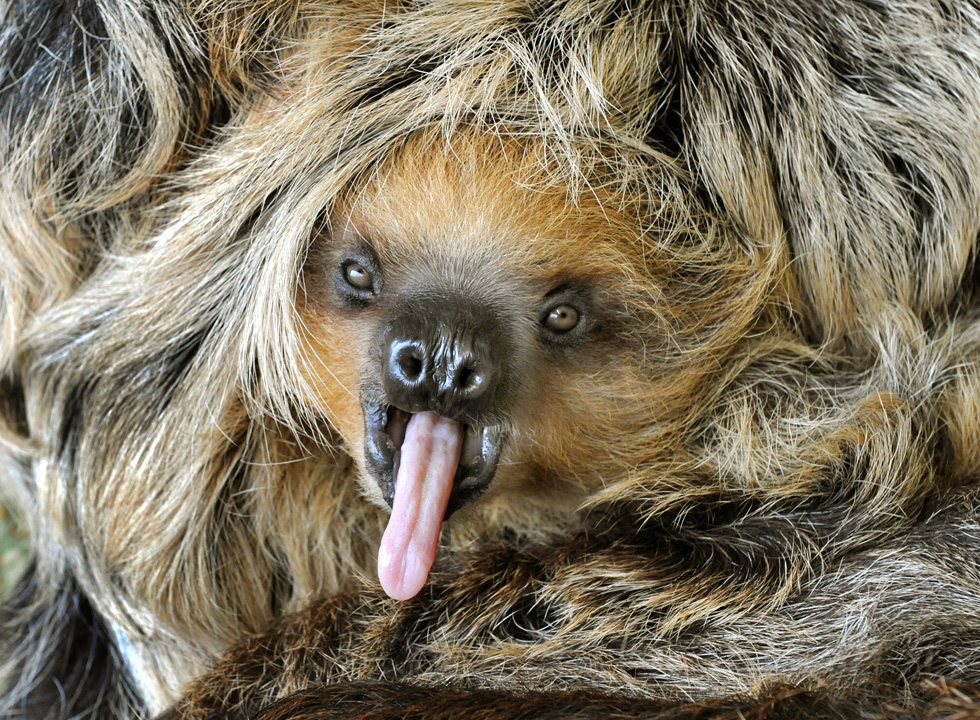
{"x":471,"y":381}
{"x":412,"y":368}
{"x":409,"y":363}
{"x":467,"y":377}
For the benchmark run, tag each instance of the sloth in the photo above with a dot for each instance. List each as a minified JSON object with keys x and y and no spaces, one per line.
{"x":517,"y":359}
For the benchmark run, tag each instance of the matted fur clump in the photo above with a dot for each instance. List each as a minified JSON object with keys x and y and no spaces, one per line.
{"x":671,"y":306}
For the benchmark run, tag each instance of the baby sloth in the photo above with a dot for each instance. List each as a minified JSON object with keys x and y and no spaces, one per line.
{"x":672,"y":309}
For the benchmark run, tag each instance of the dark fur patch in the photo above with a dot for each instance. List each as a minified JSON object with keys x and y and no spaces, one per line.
{"x":82,"y":678}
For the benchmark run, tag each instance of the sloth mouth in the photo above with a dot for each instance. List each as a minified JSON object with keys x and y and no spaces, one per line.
{"x":427,"y":467}
{"x":387,"y":427}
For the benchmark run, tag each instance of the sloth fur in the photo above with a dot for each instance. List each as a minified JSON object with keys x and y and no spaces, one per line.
{"x":748,"y":490}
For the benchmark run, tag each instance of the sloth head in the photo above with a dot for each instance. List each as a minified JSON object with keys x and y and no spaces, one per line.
{"x":473,"y":334}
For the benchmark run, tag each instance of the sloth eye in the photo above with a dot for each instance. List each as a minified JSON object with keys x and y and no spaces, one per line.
{"x":561,"y":318}
{"x":358,"y":278}
{"x":565,"y":319}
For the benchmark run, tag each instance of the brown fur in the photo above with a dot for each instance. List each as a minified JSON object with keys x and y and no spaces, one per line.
{"x":756,"y":472}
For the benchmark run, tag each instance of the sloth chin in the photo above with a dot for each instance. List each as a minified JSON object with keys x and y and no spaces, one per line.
{"x":427,"y":467}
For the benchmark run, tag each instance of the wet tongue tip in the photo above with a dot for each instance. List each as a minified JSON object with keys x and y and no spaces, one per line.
{"x":429,"y":456}
{"x":401,"y":574}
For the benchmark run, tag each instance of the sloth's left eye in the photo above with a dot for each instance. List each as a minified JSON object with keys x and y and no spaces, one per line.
{"x":562,"y":318}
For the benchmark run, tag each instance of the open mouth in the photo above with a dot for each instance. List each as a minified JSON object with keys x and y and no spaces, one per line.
{"x":427,"y":467}
{"x":386,"y":430}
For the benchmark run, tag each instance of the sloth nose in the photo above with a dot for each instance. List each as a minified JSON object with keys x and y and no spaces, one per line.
{"x":439,"y":357}
{"x":446,"y":368}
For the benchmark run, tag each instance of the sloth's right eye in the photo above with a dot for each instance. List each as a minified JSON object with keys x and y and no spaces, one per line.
{"x":358,"y":279}
{"x":358,"y":276}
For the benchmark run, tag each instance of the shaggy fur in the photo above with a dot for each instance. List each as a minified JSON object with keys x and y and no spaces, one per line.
{"x":748,"y":489}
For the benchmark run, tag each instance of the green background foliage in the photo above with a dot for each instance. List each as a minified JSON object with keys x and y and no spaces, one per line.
{"x":13,"y":552}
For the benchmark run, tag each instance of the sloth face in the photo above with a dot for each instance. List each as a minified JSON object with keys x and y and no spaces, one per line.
{"x":468,"y":336}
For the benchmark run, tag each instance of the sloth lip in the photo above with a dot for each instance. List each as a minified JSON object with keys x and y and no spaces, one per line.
{"x":385,"y":427}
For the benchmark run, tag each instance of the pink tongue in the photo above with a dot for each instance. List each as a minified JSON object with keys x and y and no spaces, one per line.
{"x":429,"y":457}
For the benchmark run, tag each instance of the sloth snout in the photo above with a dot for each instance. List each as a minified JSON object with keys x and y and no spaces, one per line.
{"x":439,"y":356}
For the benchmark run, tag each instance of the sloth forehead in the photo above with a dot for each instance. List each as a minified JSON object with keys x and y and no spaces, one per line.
{"x":479,"y":202}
